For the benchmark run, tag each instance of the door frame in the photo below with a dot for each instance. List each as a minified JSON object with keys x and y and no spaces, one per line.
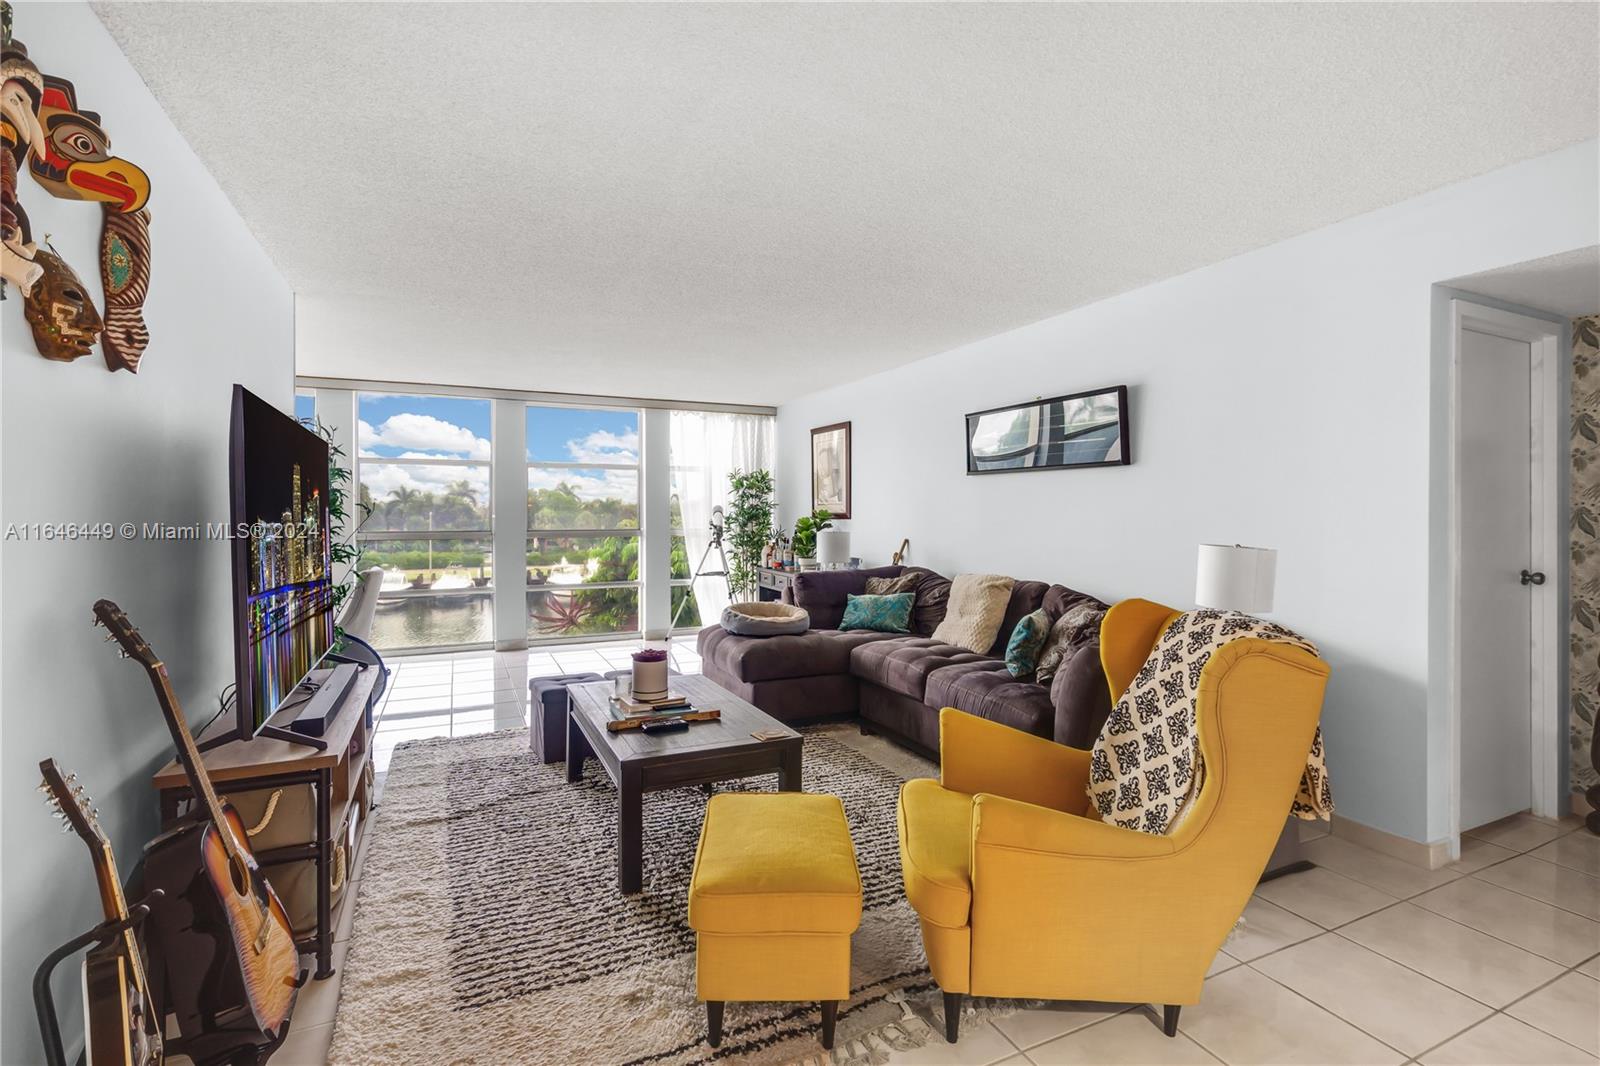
{"x":1547,"y":541}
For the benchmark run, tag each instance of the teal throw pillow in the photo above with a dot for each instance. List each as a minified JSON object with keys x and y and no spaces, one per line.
{"x":881,"y":614}
{"x":1022,"y":650}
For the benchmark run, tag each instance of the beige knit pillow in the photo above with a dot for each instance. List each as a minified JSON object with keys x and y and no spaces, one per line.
{"x":977,"y":607}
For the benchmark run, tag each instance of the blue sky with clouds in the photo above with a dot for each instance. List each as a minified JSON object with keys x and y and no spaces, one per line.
{"x":450,"y":427}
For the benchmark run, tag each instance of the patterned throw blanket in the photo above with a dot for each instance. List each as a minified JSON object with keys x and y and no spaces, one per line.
{"x":1146,"y":767}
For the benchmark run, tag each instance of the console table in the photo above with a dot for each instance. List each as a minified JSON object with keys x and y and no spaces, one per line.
{"x":771,"y":584}
{"x":336,"y":775}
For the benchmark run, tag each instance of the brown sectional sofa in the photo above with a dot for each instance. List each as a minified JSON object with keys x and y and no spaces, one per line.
{"x":897,"y":683}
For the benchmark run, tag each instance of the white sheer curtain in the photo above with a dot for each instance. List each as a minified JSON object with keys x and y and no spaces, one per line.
{"x":707,"y":446}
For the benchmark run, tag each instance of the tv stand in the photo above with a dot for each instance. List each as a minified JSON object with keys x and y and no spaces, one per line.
{"x":278,"y":758}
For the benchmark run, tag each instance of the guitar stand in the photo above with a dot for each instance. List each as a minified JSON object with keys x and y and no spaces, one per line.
{"x":99,"y":936}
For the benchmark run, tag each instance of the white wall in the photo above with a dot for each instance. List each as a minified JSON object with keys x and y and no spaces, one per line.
{"x":79,"y":444}
{"x":1280,"y":398}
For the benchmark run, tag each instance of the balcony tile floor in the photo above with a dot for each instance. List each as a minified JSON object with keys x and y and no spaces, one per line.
{"x":1365,"y":959}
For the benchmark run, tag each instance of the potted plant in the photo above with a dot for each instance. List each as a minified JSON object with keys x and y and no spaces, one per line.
{"x":745,"y":526}
{"x":805,"y":535}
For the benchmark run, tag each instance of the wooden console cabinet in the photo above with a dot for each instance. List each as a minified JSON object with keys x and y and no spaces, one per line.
{"x":337,"y":776}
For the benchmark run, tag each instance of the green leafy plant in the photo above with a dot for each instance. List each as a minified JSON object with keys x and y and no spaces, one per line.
{"x":745,"y":524}
{"x":807,"y":528}
{"x":343,"y":550}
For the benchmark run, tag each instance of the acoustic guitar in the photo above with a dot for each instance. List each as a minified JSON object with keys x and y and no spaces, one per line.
{"x":121,"y":1025}
{"x":227,"y":950}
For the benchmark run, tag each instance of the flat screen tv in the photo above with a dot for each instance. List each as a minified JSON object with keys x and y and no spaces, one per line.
{"x":282,"y":572}
{"x":1080,"y":429}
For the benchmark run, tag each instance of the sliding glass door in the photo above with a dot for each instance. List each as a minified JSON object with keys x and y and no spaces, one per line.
{"x":423,"y":466}
{"x":582,"y":571}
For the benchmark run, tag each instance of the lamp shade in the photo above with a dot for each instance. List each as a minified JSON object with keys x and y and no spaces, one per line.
{"x":1231,"y":577}
{"x":833,"y":547}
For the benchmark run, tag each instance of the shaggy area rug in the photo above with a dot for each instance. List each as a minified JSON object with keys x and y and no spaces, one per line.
{"x":488,"y":926}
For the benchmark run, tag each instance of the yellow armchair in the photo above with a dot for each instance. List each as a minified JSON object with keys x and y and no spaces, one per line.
{"x":1023,"y":892}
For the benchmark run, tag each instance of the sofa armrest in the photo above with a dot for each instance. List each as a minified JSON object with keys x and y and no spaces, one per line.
{"x":1006,"y":823}
{"x":1081,"y":697}
{"x":977,"y":755}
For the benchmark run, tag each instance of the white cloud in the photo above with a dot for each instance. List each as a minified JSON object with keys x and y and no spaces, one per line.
{"x":382,"y":481}
{"x":603,"y":446}
{"x":423,"y":436}
{"x":587,"y":484}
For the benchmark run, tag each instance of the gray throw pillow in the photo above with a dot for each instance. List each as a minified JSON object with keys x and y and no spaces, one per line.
{"x":892,"y":586}
{"x":1077,"y":626}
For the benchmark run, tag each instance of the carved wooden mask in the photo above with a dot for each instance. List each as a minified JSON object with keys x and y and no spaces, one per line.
{"x":21,"y":89}
{"x":64,"y":320}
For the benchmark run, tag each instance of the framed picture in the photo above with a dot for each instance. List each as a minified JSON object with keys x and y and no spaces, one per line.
{"x":1080,"y":429}
{"x":830,"y":469}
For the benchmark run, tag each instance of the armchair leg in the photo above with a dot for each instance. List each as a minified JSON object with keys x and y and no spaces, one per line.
{"x":1169,"y":1019}
{"x":830,"y":1015}
{"x":714,"y":1022}
{"x":952,"y":1016}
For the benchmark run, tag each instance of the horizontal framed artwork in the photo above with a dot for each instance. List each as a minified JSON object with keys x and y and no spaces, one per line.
{"x":1079,"y":429}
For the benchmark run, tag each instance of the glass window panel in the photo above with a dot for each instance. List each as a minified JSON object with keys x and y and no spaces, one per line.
{"x":681,"y":561}
{"x":422,"y":427}
{"x":305,"y":406}
{"x":559,"y":560}
{"x":420,"y":496}
{"x":577,"y":611}
{"x":437,"y":565}
{"x":433,"y":621}
{"x":582,"y":498}
{"x":691,"y":614}
{"x":582,"y":435}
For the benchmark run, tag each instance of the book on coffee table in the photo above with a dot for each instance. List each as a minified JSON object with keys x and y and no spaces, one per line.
{"x":627,"y":707}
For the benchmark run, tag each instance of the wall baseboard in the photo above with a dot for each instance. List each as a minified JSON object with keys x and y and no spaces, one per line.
{"x":1429,"y":856}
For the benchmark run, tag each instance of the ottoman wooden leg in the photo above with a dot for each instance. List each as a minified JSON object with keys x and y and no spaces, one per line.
{"x":952,"y":1016}
{"x":830,"y":1015}
{"x":714,"y":1022}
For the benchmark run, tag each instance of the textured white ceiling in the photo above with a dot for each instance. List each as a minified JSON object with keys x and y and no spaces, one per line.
{"x":1568,"y":283}
{"x":745,"y":203}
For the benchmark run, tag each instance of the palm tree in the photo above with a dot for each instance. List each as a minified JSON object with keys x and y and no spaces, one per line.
{"x":401,"y":500}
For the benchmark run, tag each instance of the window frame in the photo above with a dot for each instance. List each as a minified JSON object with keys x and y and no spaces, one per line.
{"x":365,"y":535}
{"x":636,"y":532}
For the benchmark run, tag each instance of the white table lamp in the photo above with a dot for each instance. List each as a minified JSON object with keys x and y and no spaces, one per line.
{"x":1232,"y":577}
{"x":833,"y":548}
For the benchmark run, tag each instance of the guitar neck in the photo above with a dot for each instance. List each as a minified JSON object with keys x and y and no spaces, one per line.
{"x":188,"y":752}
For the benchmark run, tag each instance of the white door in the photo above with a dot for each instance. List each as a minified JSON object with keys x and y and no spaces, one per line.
{"x":1495,"y":457}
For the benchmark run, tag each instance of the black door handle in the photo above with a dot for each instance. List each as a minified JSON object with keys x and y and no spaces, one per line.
{"x":1532,"y":577}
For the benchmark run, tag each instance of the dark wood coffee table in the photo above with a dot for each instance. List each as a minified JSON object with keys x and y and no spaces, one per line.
{"x":705,"y":753}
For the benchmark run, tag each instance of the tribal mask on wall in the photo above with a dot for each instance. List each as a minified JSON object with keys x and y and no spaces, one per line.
{"x":74,"y":162}
{"x":64,"y":321}
{"x":20,"y":130}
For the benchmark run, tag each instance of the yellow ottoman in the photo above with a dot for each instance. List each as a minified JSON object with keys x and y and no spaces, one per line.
{"x":773,"y":900}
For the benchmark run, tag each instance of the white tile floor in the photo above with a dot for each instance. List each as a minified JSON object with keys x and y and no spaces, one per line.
{"x":1365,"y":959}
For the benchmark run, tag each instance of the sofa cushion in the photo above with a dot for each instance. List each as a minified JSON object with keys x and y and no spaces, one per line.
{"x":1026,"y":597}
{"x":1076,"y":627}
{"x":1022,"y":649}
{"x":822,"y":592}
{"x":935,"y":851}
{"x":819,"y":651}
{"x":881,"y":614}
{"x":889,"y":586}
{"x":987,"y":689}
{"x":933,"y":600}
{"x":977,"y":605}
{"x":903,"y":664}
{"x":1058,"y":598}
